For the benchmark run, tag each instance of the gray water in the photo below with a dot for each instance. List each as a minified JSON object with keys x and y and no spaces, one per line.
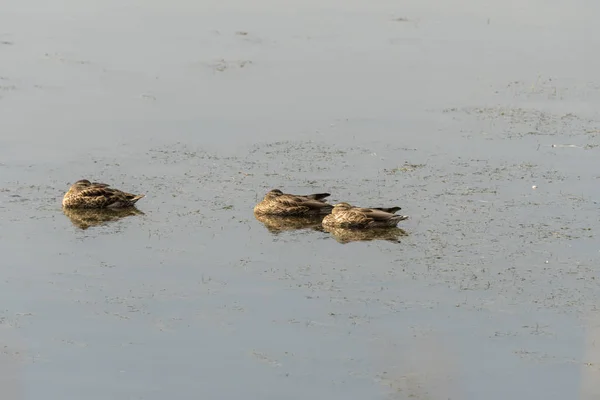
{"x":479,"y":118}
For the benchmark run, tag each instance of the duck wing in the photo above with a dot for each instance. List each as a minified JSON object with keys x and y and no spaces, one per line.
{"x":317,"y":196}
{"x":356,"y":217}
{"x":106,"y":196}
{"x":290,"y":200}
{"x":375,"y":214}
{"x":99,"y":185}
{"x":392,"y":210}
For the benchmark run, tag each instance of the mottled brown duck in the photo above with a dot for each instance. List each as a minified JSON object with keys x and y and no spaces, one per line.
{"x":347,"y":216}
{"x":277,"y":203}
{"x":86,"y":194}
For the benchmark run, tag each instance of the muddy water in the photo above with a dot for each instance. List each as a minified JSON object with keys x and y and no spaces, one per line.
{"x":478,"y":118}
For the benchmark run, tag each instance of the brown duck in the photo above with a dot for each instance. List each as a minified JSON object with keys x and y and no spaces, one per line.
{"x":86,"y":194}
{"x":347,"y":216}
{"x":277,"y":203}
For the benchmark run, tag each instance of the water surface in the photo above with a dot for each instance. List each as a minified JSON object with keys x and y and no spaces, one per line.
{"x":478,"y":118}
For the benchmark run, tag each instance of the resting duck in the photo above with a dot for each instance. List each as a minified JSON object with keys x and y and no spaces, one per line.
{"x":86,"y":194}
{"x":277,"y":203}
{"x":347,"y":216}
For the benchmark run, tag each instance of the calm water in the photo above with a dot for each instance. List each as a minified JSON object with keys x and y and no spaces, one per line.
{"x":478,"y":118}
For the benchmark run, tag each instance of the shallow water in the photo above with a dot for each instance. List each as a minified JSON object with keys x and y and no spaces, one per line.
{"x":450,"y":111}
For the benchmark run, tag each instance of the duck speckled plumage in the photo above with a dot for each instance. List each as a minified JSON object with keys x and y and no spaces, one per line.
{"x":277,"y":203}
{"x":346,"y":216}
{"x":86,"y":194}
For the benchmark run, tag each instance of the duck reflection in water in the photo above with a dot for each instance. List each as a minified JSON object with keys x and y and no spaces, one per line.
{"x":85,"y":218}
{"x":343,"y":235}
{"x":282,"y":224}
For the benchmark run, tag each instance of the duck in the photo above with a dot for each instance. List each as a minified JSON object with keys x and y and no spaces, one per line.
{"x":86,"y":194}
{"x":277,"y":203}
{"x":347,"y":216}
